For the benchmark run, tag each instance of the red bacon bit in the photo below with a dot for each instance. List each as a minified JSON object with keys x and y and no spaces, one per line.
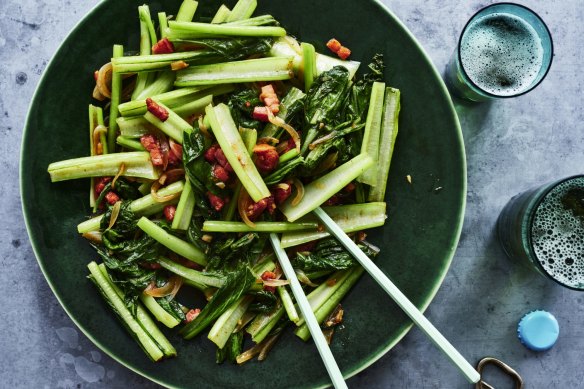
{"x":192,"y":315}
{"x":156,"y":109}
{"x":210,"y":153}
{"x":216,"y":202}
{"x":261,"y":114}
{"x":280,"y":194}
{"x":344,"y":52}
{"x":175,"y":149}
{"x":112,"y":198}
{"x":152,"y":145}
{"x":334,"y":45}
{"x":270,"y":98}
{"x":349,"y":188}
{"x":268,"y":275}
{"x":169,"y":212}
{"x":220,"y":157}
{"x":254,"y":210}
{"x":267,"y":157}
{"x":163,"y":46}
{"x":220,"y":173}
{"x":334,"y":200}
{"x":290,"y":144}
{"x":100,"y":184}
{"x":96,"y":75}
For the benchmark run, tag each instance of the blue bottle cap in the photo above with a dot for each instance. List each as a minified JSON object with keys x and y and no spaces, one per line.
{"x":538,"y":330}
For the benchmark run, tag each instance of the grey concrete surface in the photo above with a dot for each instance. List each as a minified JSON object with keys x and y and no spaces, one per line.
{"x":511,"y":145}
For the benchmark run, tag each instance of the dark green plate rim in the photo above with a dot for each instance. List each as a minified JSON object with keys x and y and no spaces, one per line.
{"x":366,"y":363}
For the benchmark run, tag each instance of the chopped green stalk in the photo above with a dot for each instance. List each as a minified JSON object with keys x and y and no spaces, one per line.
{"x":171,"y":99}
{"x":174,"y":126}
{"x":129,"y":143}
{"x":222,"y":15}
{"x":242,"y":10}
{"x":163,"y":83}
{"x":287,"y":156}
{"x":163,"y":23}
{"x":144,"y":206}
{"x":152,"y":63}
{"x":309,"y":61}
{"x":199,"y":280}
{"x":95,"y":119}
{"x":226,"y":323}
{"x":124,"y":314}
{"x":288,"y":304}
{"x":351,"y":218}
{"x":235,"y":150}
{"x":267,"y":264}
{"x":262,"y":20}
{"x":321,"y":189}
{"x":194,"y":107}
{"x":249,"y":137}
{"x":143,"y":318}
{"x":116,"y":94}
{"x":184,"y":209}
{"x":159,"y":313}
{"x":179,"y":246}
{"x":286,"y":47}
{"x":226,"y":226}
{"x":192,"y":30}
{"x":187,"y":11}
{"x":335,"y":298}
{"x":135,"y":126}
{"x":251,"y":70}
{"x":137,"y":164}
{"x":263,"y":323}
{"x":370,"y":145}
{"x":146,"y":42}
{"x":389,"y":128}
{"x":293,"y":96}
{"x":235,"y":286}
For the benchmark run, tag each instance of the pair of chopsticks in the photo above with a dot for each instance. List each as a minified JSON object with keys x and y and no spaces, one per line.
{"x":404,"y":303}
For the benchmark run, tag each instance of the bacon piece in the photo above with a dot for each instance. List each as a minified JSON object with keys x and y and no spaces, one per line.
{"x":192,"y":315}
{"x":210,"y":153}
{"x":350,"y":187}
{"x":280,"y":193}
{"x":334,"y":45}
{"x":220,"y":173}
{"x":163,"y":46}
{"x":152,"y":145}
{"x":216,"y":202}
{"x":156,"y":109}
{"x":267,"y":157}
{"x":268,"y":275}
{"x":344,"y":52}
{"x":112,"y":198}
{"x":261,"y":114}
{"x":169,"y":212}
{"x":270,"y":98}
{"x":255,"y":210}
{"x":100,"y":184}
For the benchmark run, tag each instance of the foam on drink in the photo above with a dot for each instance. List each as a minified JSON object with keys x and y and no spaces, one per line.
{"x":558,"y":236}
{"x":501,"y":54}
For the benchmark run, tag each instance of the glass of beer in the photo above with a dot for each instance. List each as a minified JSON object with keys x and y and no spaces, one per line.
{"x":543,"y":228}
{"x":505,"y":50}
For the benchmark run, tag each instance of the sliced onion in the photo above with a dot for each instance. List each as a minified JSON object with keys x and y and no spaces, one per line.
{"x":299,"y":191}
{"x":269,"y":343}
{"x":203,"y":127}
{"x":97,"y":131}
{"x":283,"y":186}
{"x":276,"y":282}
{"x":176,"y":149}
{"x":169,"y":289}
{"x":164,"y":148}
{"x":302,"y":277}
{"x":120,"y":172}
{"x":115,"y":213}
{"x":104,"y":80}
{"x":93,"y":236}
{"x":261,"y":348}
{"x":173,"y":175}
{"x":293,"y":43}
{"x":279,"y":122}
{"x":243,"y":202}
{"x":268,"y":139}
{"x":97,"y":95}
{"x":161,"y":199}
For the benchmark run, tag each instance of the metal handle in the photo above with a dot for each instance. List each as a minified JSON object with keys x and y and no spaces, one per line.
{"x":502,"y":366}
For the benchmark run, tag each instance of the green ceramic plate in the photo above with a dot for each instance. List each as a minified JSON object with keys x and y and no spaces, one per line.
{"x":417,"y":242}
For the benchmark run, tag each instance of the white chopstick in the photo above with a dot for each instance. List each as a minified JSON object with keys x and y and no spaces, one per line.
{"x":321,"y":344}
{"x":405,"y":304}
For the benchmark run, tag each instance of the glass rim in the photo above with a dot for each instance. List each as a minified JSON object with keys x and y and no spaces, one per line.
{"x":529,"y":236}
{"x":489,"y":94}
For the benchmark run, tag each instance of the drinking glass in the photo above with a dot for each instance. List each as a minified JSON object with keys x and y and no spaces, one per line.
{"x":505,"y":50}
{"x":543,"y":228}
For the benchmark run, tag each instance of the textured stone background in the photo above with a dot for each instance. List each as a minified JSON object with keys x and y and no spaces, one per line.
{"x":511,"y":145}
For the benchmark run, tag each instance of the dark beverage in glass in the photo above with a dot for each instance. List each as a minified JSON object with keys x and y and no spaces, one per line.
{"x":505,"y":50}
{"x":544,"y":228}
